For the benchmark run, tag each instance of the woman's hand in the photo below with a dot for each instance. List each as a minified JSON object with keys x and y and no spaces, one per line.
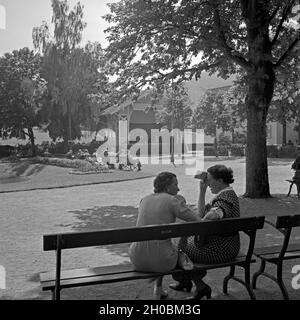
{"x":203,"y":186}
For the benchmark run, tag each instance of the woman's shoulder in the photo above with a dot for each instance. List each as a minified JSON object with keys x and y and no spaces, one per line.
{"x":228,"y":195}
{"x":158,"y":196}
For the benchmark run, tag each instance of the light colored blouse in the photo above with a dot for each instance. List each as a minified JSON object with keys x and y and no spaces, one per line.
{"x":158,"y":255}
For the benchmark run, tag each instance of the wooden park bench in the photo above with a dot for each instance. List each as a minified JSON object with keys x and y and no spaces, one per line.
{"x":55,"y":281}
{"x":278,"y":253}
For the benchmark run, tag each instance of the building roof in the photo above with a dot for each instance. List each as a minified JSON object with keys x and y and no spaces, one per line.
{"x":220,"y":89}
{"x":143,"y":103}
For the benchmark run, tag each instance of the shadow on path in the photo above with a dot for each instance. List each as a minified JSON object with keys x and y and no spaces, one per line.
{"x":108,"y":217}
{"x":24,"y":168}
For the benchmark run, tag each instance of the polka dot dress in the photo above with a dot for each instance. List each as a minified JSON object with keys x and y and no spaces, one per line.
{"x":215,"y":249}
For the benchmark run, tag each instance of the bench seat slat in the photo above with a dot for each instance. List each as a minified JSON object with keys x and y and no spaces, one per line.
{"x":274,"y":257}
{"x":292,"y":247}
{"x":115,"y":273}
{"x":86,"y":272}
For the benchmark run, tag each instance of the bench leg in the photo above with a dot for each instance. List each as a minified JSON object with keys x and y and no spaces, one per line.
{"x":53,"y":294}
{"x":248,"y":283}
{"x":291,"y":185}
{"x":280,"y":282}
{"x":298,"y":189}
{"x":258,"y":273}
{"x":227,"y":278}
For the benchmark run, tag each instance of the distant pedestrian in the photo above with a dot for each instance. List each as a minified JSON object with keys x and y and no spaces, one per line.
{"x":296,"y":167}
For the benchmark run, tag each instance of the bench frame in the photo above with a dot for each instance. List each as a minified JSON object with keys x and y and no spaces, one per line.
{"x":108,"y":274}
{"x":277,"y":254}
{"x":297,"y":184}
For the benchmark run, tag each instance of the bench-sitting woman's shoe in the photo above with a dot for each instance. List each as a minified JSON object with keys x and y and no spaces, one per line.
{"x":159,"y":293}
{"x":199,"y":294}
{"x":180,"y":286}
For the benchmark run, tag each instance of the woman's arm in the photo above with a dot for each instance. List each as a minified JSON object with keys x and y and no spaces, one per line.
{"x":182,"y":211}
{"x":201,"y":199}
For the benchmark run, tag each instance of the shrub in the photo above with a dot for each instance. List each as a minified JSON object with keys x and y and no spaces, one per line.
{"x":272,"y":151}
{"x":287,"y":152}
{"x":222,"y":150}
{"x":57,"y":148}
{"x":6,"y":151}
{"x":209,"y":151}
{"x":82,"y":165}
{"x":237,"y":150}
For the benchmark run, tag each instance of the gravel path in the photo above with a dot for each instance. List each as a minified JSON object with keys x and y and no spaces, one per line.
{"x":26,"y":216}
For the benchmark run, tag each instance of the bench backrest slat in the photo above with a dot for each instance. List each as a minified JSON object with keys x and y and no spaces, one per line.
{"x":157,"y":232}
{"x":288,"y":221}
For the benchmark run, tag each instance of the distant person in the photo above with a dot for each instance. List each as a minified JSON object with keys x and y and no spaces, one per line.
{"x":106,"y":158}
{"x":161,"y":207}
{"x":296,"y":167}
{"x":290,"y":143}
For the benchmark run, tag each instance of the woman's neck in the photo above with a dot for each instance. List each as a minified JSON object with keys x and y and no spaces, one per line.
{"x":222,"y":187}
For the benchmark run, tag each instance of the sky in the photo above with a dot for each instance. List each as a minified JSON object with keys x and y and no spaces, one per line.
{"x":19,"y":17}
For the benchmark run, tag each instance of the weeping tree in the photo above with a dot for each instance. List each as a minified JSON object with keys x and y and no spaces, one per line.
{"x":69,"y":70}
{"x":156,"y":41}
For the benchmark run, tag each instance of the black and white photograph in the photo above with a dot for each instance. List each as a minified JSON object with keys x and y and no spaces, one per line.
{"x":150,"y":154}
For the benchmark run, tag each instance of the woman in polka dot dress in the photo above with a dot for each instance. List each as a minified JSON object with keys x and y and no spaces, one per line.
{"x":211,"y":249}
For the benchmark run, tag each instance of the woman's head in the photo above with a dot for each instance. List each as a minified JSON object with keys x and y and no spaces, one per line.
{"x":219,"y":177}
{"x":166,"y":182}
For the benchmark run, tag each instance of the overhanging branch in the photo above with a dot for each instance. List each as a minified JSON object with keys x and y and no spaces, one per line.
{"x":286,"y":11}
{"x":231,"y":52}
{"x":272,"y":15}
{"x":286,"y":53}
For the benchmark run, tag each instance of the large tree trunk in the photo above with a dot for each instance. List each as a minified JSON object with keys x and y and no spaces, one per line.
{"x":260,"y":93}
{"x":257,"y":180}
{"x":261,"y":78}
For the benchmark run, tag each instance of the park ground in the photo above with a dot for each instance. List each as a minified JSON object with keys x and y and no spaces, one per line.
{"x":37,"y":200}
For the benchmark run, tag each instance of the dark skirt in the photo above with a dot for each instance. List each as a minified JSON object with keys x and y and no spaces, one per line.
{"x":212,"y":249}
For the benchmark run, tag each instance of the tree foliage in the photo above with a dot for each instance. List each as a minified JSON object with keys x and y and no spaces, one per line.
{"x":71,"y":72}
{"x":285,"y":104}
{"x":21,"y":91}
{"x":178,"y":39}
{"x":176,"y":111}
{"x":213,"y":113}
{"x":169,"y":37}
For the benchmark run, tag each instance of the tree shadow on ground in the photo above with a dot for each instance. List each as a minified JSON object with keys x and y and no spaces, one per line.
{"x":278,"y":204}
{"x":274,"y":162}
{"x":24,"y":168}
{"x":279,"y":162}
{"x":108,"y":217}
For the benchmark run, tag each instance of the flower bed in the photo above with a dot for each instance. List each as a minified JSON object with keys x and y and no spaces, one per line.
{"x":82,"y":166}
